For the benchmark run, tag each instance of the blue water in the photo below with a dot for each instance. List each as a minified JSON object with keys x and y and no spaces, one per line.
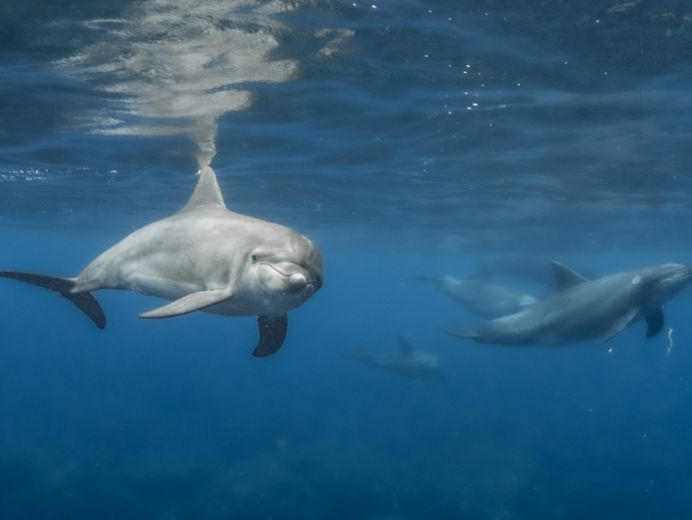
{"x":405,"y":138}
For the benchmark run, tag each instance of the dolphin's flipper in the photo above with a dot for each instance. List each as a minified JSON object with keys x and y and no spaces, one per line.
{"x":190,"y":303}
{"x":620,"y":324}
{"x":272,"y":331}
{"x":565,"y":277}
{"x":654,"y":323}
{"x":461,"y":332}
{"x":63,"y":286}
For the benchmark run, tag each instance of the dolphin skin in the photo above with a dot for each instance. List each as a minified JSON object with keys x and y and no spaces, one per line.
{"x":584,"y":309}
{"x":203,"y":258}
{"x":482,"y":296}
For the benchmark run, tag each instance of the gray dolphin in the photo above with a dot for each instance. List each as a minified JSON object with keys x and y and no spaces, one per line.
{"x":482,"y":296}
{"x":583,"y":309}
{"x":203,"y":258}
{"x":406,"y":362}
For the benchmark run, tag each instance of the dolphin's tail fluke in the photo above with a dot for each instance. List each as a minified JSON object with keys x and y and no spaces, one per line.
{"x":461,"y":332}
{"x":63,"y":286}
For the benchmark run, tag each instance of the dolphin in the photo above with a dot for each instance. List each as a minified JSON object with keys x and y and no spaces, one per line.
{"x":482,"y":296}
{"x":584,"y":309}
{"x":406,"y":362}
{"x":203,"y":258}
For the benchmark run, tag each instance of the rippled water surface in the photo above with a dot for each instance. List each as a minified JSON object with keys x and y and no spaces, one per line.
{"x":406,"y":138}
{"x":489,"y":122}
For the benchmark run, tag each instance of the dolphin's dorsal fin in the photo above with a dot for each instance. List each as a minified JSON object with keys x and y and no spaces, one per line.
{"x":565,"y":277}
{"x":404,"y":346}
{"x":207,"y":191}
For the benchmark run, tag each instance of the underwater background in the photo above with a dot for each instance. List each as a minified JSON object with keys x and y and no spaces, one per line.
{"x":406,"y":138}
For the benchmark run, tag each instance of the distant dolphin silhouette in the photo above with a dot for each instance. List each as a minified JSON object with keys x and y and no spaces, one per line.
{"x":583,"y":309}
{"x":203,"y":258}
{"x":482,"y":296}
{"x":406,"y":362}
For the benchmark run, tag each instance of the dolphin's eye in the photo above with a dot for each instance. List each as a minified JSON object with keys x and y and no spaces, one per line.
{"x":258,"y":257}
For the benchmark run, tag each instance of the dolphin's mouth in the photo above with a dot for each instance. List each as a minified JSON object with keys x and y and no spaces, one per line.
{"x":683,"y":275}
{"x":298,"y":281}
{"x":275,"y":268}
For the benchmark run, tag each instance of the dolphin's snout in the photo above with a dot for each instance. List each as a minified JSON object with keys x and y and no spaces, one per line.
{"x":298,"y":279}
{"x":297,"y":282}
{"x":681,"y":272}
{"x":308,"y":257}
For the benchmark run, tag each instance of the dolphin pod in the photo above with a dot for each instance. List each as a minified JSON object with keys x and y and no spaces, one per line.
{"x":583,"y":309}
{"x":203,"y":258}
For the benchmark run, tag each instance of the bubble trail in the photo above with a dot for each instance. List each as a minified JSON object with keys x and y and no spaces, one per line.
{"x":669,"y":338}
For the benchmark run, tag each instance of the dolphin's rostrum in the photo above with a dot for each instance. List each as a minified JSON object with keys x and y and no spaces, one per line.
{"x":203,"y":258}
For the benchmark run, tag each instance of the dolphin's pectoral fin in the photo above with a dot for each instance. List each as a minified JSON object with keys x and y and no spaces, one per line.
{"x":565,"y":277}
{"x":654,"y":323}
{"x":63,"y":286}
{"x":620,"y":324}
{"x":190,"y":303}
{"x":272,"y":331}
{"x":461,"y":332}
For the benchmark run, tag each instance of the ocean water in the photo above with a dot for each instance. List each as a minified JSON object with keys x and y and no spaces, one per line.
{"x":406,"y":138}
